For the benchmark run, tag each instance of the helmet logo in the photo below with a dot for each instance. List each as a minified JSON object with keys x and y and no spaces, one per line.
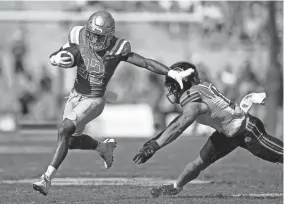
{"x":99,"y":21}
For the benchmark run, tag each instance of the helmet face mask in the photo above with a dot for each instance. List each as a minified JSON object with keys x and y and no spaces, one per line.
{"x":100,"y":30}
{"x":98,"y":42}
{"x":173,"y":95}
{"x":174,"y":90}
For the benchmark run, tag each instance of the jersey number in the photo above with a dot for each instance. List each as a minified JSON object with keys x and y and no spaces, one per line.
{"x":92,"y":70}
{"x":219,"y":94}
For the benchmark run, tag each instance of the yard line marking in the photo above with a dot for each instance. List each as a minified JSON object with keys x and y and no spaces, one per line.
{"x":258,"y":195}
{"x":104,"y":181}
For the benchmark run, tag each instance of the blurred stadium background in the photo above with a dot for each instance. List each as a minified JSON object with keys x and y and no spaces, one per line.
{"x":234,"y":45}
{"x":238,"y":46}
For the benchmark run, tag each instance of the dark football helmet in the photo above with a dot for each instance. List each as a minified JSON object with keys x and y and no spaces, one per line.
{"x":175,"y":91}
{"x":100,"y":29}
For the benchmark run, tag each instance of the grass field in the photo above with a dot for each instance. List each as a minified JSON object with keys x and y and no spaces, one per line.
{"x":238,"y":178}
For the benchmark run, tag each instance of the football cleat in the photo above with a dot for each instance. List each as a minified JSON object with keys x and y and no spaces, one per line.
{"x":42,"y":185}
{"x":108,"y":155}
{"x":167,"y":190}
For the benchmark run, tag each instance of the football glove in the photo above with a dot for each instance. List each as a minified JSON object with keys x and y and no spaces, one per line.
{"x":146,"y":152}
{"x":179,"y":75}
{"x":63,"y":59}
{"x":251,"y":99}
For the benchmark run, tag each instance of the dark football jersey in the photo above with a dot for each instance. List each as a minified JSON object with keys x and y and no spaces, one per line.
{"x":94,"y":71}
{"x":224,"y":115}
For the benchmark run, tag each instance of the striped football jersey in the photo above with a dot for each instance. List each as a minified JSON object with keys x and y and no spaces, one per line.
{"x":94,"y":71}
{"x":224,"y":115}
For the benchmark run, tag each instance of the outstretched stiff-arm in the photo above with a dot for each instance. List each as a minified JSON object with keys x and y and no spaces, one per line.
{"x":151,"y":65}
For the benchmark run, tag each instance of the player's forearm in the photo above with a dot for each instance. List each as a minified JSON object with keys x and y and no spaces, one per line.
{"x":175,"y":129}
{"x":151,"y":65}
{"x":156,"y":67}
{"x":169,"y":136}
{"x":171,"y":133}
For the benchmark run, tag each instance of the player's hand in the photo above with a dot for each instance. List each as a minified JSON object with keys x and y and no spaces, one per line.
{"x":63,"y":59}
{"x":146,"y":152}
{"x":251,"y":99}
{"x":179,"y":75}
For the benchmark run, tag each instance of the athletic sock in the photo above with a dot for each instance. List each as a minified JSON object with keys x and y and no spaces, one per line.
{"x":50,"y":172}
{"x":175,"y":186}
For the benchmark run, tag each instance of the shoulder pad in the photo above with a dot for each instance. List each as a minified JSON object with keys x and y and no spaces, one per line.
{"x":191,"y":95}
{"x":122,"y":47}
{"x":204,"y":88}
{"x":73,"y":36}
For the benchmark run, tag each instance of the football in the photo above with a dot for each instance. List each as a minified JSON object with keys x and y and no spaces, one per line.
{"x":74,"y":50}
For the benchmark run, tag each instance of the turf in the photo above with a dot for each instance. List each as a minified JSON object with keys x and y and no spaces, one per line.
{"x":238,"y":173}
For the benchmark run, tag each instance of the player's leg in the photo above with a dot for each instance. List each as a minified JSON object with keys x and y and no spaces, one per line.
{"x":86,"y":142}
{"x":65,"y":130}
{"x":83,"y":142}
{"x":216,"y":147}
{"x":87,"y":110}
{"x":78,"y":112}
{"x":261,"y":144}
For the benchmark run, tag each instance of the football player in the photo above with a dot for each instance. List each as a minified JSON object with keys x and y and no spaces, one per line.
{"x":96,"y":52}
{"x":202,"y":102}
